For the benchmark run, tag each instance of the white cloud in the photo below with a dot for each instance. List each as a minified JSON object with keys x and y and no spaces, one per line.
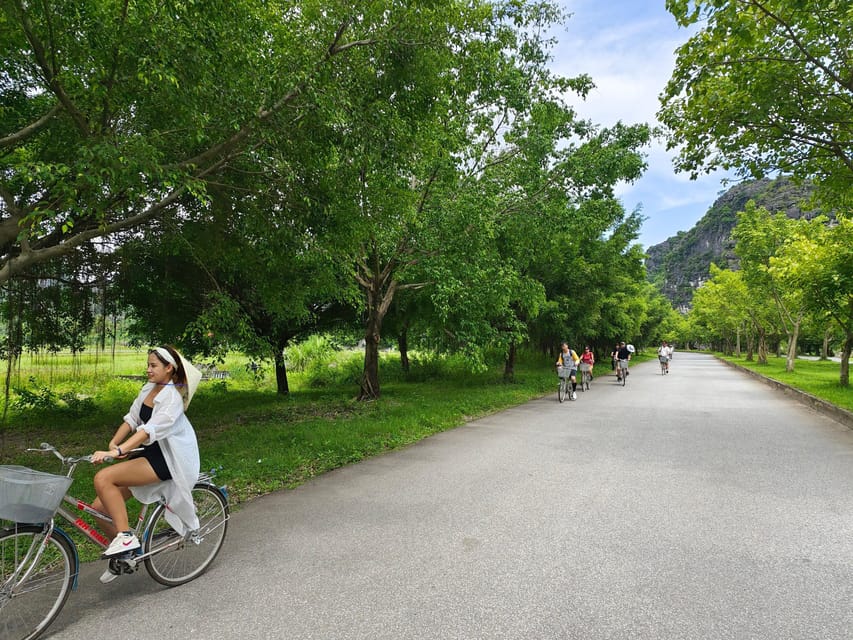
{"x":628,"y":48}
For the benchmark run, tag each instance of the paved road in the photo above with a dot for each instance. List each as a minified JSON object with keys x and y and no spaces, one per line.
{"x":696,"y":505}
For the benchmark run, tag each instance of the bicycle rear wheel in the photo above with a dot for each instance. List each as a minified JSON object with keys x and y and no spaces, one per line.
{"x":29,"y":607}
{"x":182,"y":560}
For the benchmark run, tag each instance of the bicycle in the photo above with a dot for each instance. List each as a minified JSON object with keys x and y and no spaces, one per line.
{"x":564,"y":390}
{"x":39,"y":562}
{"x":586,"y":375}
{"x":622,"y":372}
{"x":664,"y":365}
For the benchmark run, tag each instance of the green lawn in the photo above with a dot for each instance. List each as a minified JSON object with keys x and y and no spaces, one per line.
{"x":819,"y":378}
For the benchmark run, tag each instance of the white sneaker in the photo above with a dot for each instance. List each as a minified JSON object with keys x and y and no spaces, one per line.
{"x":122,"y":543}
{"x":574,"y":396}
{"x":108,"y":576}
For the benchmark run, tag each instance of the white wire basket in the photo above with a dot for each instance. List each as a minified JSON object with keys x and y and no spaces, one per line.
{"x":585,"y":367}
{"x":27,"y":495}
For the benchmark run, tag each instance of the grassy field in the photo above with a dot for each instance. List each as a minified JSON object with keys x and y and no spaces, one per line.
{"x":819,"y":378}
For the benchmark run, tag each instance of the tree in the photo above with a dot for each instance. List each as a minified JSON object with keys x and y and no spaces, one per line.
{"x":251,"y":270}
{"x":763,"y":87}
{"x":534,"y":225}
{"x":112,"y":113}
{"x":819,"y":262}
{"x":722,"y":309}
{"x":420,"y":135}
{"x":760,"y":237}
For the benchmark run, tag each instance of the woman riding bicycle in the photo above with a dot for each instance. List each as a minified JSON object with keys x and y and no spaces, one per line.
{"x":588,"y":357}
{"x":168,"y":464}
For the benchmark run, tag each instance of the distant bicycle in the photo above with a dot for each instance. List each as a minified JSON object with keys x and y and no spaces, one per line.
{"x":564,"y":391}
{"x":586,"y":375}
{"x":622,"y":372}
{"x":664,"y":365}
{"x":39,"y":564}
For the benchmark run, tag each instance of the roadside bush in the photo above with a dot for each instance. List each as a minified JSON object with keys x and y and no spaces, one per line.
{"x":344,"y":369}
{"x":38,"y":399}
{"x":41,"y":400}
{"x":428,"y":365}
{"x":317,"y":350}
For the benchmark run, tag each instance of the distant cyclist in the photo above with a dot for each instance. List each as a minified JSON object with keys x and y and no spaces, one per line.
{"x":614,"y":357}
{"x":665,"y":355}
{"x":588,"y":357}
{"x":567,"y":366}
{"x":623,"y":355}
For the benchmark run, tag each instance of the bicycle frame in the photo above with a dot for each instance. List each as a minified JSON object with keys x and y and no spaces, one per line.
{"x":91,"y":531}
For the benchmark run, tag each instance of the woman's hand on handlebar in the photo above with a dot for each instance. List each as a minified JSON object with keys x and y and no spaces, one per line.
{"x":104,"y":456}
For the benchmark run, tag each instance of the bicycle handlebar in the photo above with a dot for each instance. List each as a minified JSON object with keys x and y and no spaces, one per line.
{"x":45,"y":447}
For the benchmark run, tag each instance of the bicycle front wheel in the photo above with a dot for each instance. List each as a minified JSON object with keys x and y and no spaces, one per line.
{"x":183,"y":559}
{"x":563,"y":389}
{"x":30,"y":601}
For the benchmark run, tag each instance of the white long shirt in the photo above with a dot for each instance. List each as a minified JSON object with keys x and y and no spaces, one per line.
{"x":170,"y":427}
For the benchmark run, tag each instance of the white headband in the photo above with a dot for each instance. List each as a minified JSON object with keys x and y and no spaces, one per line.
{"x":166,"y":356}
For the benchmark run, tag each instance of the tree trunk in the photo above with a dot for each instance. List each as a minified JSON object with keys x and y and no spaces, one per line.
{"x":370,"y":376}
{"x":737,"y":343}
{"x":281,"y":385}
{"x":793,"y":336}
{"x":762,"y":346}
{"x":379,"y":289}
{"x":403,"y":346}
{"x":844,"y":376}
{"x":824,"y":350}
{"x":509,"y":364}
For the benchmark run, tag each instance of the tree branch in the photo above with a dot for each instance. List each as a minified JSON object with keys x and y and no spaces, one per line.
{"x":30,"y":129}
{"x":50,"y":75}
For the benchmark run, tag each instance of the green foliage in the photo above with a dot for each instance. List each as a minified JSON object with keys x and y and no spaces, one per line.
{"x":764,"y":85}
{"x":343,"y":371}
{"x":315,"y":351}
{"x":41,"y":400}
{"x":428,"y":366}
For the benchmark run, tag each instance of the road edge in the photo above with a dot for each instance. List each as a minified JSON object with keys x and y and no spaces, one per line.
{"x":826,"y":408}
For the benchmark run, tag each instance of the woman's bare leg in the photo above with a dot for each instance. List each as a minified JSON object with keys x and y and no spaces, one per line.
{"x":107,"y":527}
{"x":111,"y":485}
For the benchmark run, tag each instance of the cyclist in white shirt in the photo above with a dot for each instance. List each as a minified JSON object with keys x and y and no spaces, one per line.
{"x":665,"y":355}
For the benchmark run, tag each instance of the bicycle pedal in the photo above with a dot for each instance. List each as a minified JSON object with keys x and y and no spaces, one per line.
{"x":126,"y":562}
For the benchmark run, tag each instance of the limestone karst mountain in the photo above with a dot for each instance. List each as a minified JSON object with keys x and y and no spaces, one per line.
{"x":680,"y":264}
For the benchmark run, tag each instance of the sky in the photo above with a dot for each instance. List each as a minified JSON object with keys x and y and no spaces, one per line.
{"x":628,"y":48}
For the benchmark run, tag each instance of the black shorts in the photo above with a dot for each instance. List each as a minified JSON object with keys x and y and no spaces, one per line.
{"x":154,"y":454}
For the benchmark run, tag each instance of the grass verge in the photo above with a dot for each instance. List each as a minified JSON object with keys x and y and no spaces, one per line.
{"x":819,"y":378}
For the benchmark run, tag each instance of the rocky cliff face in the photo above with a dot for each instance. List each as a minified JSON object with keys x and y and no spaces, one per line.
{"x":680,"y":264}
